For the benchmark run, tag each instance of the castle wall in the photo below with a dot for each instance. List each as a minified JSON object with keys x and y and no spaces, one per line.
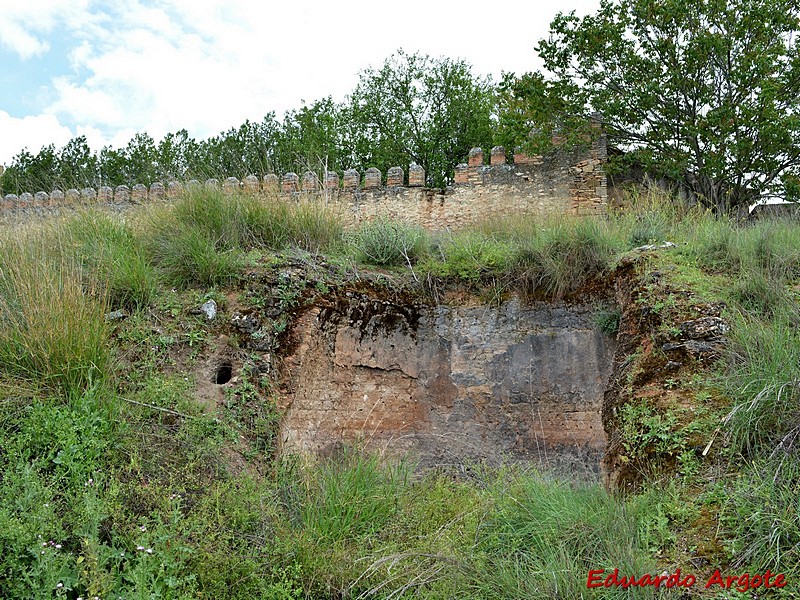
{"x":563,"y":182}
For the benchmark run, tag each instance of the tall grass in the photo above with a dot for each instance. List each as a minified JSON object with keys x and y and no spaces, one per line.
{"x":110,"y":255}
{"x":52,"y":326}
{"x":543,"y":537}
{"x":203,"y":237}
{"x":567,"y":255}
{"x":386,"y":243}
{"x":763,"y":378}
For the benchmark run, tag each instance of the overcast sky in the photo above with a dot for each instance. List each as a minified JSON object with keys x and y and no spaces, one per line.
{"x":109,"y":69}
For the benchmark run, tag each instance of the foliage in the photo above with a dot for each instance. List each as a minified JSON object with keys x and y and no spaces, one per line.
{"x":387,"y":243}
{"x":414,"y":109}
{"x":419,"y":109}
{"x":704,"y":93}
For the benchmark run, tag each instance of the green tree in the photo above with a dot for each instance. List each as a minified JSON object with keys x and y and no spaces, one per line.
{"x":430,"y":111}
{"x":313,"y":138}
{"x":29,"y":173}
{"x":703,"y":91}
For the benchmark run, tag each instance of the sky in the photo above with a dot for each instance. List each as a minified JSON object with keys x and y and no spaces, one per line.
{"x":110,"y":69}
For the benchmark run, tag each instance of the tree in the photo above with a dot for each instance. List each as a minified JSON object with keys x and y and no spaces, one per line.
{"x":312,"y":138}
{"x":430,"y":111}
{"x":705,"y":92}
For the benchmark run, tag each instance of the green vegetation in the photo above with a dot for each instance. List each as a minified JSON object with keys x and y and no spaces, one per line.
{"x":704,"y":93}
{"x":414,"y":109}
{"x":119,"y":478}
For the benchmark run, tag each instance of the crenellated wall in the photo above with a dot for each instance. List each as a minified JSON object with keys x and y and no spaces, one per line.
{"x":562,"y":182}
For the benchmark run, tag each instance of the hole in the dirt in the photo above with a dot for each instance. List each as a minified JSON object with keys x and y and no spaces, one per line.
{"x":223,"y":374}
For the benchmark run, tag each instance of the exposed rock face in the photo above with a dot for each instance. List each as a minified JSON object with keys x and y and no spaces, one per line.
{"x":449,"y":384}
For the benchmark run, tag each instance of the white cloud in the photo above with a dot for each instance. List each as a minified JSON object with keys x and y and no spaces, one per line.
{"x":31,"y":132}
{"x":25,"y":25}
{"x":207,"y":65}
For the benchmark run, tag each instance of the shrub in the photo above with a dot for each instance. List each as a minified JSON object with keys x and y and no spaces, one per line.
{"x":389,"y":244}
{"x":470,"y":255}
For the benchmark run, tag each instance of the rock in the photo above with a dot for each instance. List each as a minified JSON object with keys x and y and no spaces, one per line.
{"x":116,"y":315}
{"x":651,"y":247}
{"x":209,"y":309}
{"x":704,"y":327}
{"x":245,"y":323}
{"x":672,"y":366}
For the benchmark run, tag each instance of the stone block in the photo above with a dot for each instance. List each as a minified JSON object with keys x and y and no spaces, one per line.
{"x":309,"y":182}
{"x":105,"y":194}
{"x":351,"y":179}
{"x":72,"y":196}
{"x":290,"y":183}
{"x":272,"y":185}
{"x":139,"y":193}
{"x":395,"y":177}
{"x":372,"y":178}
{"x":122,"y":193}
{"x":498,"y":156}
{"x":416,"y":176}
{"x":174,"y":189}
{"x":251,"y":184}
{"x":230,"y":185}
{"x":475,"y":157}
{"x":331,"y":180}
{"x":157,"y":191}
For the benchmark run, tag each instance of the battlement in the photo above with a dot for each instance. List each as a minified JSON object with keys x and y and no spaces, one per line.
{"x":568,"y":182}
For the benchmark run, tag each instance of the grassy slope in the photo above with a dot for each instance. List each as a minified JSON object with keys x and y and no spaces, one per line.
{"x":117,"y":481}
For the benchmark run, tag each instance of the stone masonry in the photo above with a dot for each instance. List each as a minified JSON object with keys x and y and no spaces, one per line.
{"x":562,"y":182}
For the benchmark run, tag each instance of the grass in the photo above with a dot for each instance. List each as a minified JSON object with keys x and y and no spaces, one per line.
{"x":102,"y":497}
{"x":53,"y":331}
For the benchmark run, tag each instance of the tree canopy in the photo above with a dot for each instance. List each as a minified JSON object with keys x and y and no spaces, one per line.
{"x":415,"y":108}
{"x":705,"y":92}
{"x":422,"y":110}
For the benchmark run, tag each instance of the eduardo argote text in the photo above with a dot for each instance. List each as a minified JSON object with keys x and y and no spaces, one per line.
{"x":600,"y":578}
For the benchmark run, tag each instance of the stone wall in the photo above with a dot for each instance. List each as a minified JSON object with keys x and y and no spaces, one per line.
{"x":448,"y":384}
{"x":563,"y":182}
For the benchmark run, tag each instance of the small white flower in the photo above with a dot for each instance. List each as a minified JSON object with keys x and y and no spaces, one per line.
{"x":58,"y":546}
{"x":143,"y":528}
{"x":140,"y":548}
{"x":149,"y":551}
{"x":122,"y":554}
{"x":59,"y":585}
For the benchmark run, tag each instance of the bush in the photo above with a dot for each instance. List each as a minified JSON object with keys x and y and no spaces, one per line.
{"x":389,"y":244}
{"x":471,"y":255}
